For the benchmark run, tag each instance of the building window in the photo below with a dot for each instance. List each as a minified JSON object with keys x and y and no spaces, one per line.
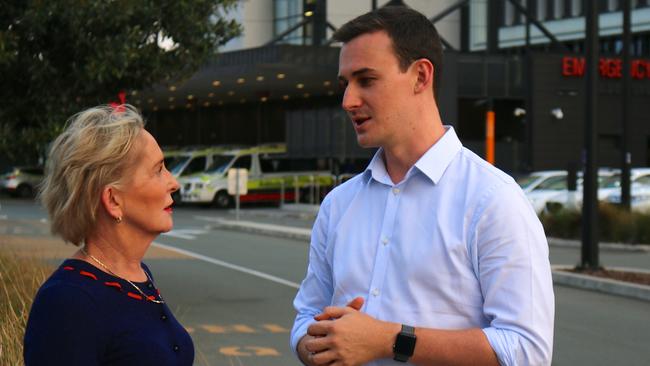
{"x":509,"y":14}
{"x":541,"y":10}
{"x":288,"y":13}
{"x":576,"y":8}
{"x":558,"y":9}
{"x":612,"y":5}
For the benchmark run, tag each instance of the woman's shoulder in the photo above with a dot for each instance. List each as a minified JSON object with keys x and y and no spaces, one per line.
{"x":68,"y":286}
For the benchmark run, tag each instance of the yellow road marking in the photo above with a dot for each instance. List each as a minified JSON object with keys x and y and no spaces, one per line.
{"x":241,"y":328}
{"x":254,"y":351}
{"x":274,"y":328}
{"x":216,"y":329}
{"x":189,"y":330}
{"x":264,"y":351}
{"x":232,"y":351}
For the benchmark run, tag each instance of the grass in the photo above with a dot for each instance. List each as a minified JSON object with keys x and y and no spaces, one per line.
{"x":20,"y":278}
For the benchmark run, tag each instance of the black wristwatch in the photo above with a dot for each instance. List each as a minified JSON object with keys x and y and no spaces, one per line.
{"x":404,"y":344}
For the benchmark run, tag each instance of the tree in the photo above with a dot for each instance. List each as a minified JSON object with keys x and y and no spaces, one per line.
{"x":58,"y":57}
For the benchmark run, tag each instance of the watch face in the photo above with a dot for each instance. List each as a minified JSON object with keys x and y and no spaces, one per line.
{"x":405,"y":344}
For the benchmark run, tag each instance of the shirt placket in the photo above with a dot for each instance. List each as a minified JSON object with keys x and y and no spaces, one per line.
{"x":383,"y":250}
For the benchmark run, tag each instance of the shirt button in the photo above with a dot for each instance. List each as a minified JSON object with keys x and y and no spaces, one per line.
{"x":375,"y":292}
{"x":163,"y":317}
{"x":384,"y":240}
{"x":176,"y":348}
{"x":396,"y":191}
{"x":150,"y":285}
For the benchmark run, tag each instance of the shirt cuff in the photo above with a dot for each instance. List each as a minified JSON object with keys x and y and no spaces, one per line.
{"x":298,"y":332}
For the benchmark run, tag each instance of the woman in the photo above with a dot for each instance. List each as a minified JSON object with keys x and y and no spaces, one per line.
{"x":107,"y":191}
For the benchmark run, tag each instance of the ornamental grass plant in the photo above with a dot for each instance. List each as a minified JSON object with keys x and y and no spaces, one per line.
{"x":20,"y":278}
{"x":614,"y":224}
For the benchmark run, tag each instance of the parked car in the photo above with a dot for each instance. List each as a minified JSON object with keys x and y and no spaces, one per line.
{"x":530,"y":182}
{"x":21,"y":181}
{"x":607,"y":178}
{"x":539,"y":186}
{"x":640,"y":198}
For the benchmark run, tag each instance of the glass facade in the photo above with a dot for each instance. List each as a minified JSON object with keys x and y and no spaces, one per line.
{"x":286,"y":14}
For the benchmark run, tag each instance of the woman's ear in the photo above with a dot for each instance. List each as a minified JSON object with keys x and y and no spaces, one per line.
{"x":424,"y":75}
{"x":112,"y":202}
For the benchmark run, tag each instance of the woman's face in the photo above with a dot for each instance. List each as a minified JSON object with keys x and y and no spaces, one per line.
{"x":146,"y":196}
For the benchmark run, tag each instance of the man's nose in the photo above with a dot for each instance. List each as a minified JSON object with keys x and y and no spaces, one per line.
{"x":351,"y":99}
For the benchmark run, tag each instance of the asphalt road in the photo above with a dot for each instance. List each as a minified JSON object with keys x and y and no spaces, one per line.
{"x":233,"y":291}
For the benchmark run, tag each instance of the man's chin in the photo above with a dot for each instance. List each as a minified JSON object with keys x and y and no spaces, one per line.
{"x":365,"y":142}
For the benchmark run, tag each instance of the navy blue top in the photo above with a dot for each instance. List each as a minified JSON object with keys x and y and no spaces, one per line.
{"x":84,"y":316}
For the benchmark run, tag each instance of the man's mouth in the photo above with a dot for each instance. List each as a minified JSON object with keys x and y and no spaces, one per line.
{"x":358,"y":121}
{"x":169,"y":208}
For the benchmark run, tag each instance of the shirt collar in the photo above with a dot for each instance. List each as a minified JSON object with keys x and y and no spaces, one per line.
{"x":433,"y":163}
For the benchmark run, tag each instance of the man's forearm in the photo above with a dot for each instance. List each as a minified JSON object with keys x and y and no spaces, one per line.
{"x":452,"y":347}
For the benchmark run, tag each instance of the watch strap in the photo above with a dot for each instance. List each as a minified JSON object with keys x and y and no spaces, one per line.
{"x":404,"y":344}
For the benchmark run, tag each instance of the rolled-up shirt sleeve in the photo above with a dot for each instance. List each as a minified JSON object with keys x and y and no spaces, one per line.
{"x":315,"y":292}
{"x":510,"y":251}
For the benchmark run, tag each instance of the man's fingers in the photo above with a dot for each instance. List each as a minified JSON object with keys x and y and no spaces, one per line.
{"x":318,"y":344}
{"x":356,"y":303}
{"x":332,"y":312}
{"x":323,"y":358}
{"x":319,"y":329}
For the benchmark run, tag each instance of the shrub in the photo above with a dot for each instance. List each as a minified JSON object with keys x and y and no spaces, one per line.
{"x":614,"y":224}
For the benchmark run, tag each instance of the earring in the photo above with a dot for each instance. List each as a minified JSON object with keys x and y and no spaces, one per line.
{"x":118,"y":219}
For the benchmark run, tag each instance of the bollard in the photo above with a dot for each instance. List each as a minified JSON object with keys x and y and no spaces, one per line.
{"x":311,"y":189}
{"x":282,"y":193}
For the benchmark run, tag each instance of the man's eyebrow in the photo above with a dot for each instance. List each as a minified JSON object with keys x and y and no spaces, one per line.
{"x":356,"y":73}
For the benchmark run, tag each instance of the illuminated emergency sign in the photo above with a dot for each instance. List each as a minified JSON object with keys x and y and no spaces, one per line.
{"x":609,"y":68}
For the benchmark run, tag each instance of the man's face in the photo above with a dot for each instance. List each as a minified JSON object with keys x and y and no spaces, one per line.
{"x":377,"y":93}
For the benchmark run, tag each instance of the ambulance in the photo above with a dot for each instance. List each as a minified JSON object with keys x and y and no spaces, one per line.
{"x":270,"y":174}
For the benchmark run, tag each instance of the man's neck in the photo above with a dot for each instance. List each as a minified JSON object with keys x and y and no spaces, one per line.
{"x":400,"y":158}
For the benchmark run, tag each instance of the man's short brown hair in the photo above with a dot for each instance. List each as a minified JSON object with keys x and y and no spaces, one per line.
{"x":413,"y":36}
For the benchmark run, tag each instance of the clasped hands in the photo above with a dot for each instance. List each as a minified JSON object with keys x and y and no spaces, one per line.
{"x":344,"y":336}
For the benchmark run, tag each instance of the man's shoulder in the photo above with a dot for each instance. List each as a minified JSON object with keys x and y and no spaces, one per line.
{"x":350,"y":186}
{"x":488,"y":173}
{"x":480,"y":181}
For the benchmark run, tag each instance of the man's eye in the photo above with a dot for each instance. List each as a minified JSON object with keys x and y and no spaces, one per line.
{"x":365,"y":81}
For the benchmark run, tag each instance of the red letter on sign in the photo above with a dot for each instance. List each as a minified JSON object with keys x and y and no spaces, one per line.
{"x":616,"y":69}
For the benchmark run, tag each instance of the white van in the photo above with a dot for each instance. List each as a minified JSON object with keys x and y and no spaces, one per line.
{"x":269,"y":172}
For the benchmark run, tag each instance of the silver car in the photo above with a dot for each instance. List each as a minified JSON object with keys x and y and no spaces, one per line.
{"x":21,"y":181}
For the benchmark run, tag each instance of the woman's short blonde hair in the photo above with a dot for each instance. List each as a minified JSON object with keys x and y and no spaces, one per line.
{"x":94,"y":151}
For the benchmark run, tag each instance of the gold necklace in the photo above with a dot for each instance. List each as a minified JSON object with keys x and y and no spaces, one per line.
{"x":161,"y":301}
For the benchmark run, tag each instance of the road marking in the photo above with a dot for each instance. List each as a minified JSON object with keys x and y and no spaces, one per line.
{"x":234,"y":267}
{"x":256,"y":351}
{"x":189,"y":234}
{"x":214,"y":329}
{"x":274,"y":328}
{"x":232,"y":351}
{"x":241,"y":328}
{"x":264,"y":351}
{"x":190,"y":330}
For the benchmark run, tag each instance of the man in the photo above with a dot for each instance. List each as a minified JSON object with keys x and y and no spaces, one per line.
{"x":431,"y":256}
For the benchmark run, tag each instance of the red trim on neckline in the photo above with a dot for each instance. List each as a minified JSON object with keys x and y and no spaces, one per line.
{"x":135,"y":296}
{"x":68,"y":268}
{"x":114,"y":284}
{"x":88,"y":274}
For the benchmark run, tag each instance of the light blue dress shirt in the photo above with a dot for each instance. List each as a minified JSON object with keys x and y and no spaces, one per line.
{"x":455,"y":245}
